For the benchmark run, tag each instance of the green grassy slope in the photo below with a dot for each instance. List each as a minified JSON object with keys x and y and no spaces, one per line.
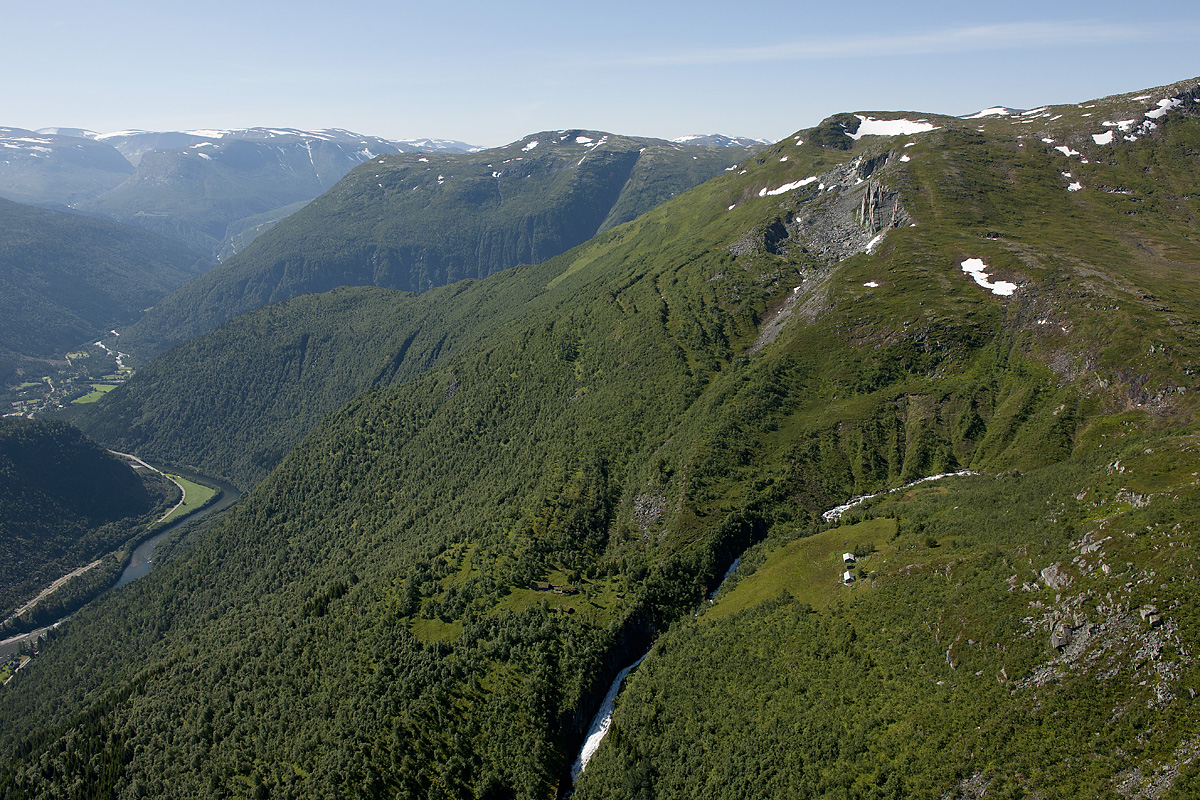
{"x":367,"y":621}
{"x":935,"y":674}
{"x":414,"y":221}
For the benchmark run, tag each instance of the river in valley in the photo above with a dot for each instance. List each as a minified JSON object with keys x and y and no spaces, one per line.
{"x":142,"y":560}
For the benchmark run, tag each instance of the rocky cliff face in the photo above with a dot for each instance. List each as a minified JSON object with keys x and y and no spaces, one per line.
{"x":840,"y":213}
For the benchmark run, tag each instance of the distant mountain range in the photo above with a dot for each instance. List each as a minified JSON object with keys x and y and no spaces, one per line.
{"x":213,"y":189}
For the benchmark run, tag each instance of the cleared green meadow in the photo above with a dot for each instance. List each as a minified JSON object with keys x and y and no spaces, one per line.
{"x":196,"y":496}
{"x":98,"y":391}
{"x":810,"y":569}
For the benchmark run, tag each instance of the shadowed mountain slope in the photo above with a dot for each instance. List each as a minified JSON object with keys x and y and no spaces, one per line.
{"x":65,"y":278}
{"x":63,"y":501}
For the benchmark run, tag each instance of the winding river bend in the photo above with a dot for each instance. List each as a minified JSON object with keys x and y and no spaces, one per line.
{"x":141,"y":562}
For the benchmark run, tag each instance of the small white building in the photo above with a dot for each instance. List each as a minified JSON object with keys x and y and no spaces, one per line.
{"x":847,"y":577}
{"x":847,"y":558}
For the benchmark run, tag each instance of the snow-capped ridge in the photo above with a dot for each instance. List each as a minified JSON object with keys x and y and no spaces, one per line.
{"x":75,"y":133}
{"x":994,"y":111}
{"x":719,"y":140}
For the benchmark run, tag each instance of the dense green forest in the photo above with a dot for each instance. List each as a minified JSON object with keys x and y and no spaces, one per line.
{"x":699,"y":384}
{"x":233,"y":402}
{"x":66,"y":278}
{"x":64,"y":501}
{"x":414,"y":221}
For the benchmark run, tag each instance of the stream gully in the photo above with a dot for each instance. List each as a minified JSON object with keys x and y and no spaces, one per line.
{"x":601,"y":722}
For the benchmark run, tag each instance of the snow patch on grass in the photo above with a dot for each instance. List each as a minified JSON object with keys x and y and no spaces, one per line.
{"x":978,"y":270}
{"x":835,"y":513}
{"x":995,"y":111}
{"x":1164,"y":105}
{"x":787,"y":187}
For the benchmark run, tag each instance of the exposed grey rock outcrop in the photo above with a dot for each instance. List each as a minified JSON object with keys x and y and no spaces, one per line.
{"x":834,"y":218}
{"x":1055,"y":578}
{"x":852,"y":209}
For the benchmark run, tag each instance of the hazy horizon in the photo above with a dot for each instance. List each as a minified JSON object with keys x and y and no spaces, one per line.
{"x":489,"y":75}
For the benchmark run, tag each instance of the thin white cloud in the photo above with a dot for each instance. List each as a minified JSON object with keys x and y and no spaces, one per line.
{"x":1006,"y":36}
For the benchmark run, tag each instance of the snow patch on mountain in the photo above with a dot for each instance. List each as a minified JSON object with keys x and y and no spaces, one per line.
{"x":719,"y":140}
{"x":75,"y":133}
{"x":1164,"y":105}
{"x":978,"y":270}
{"x":994,"y":111}
{"x":869,"y":126}
{"x":787,"y":187}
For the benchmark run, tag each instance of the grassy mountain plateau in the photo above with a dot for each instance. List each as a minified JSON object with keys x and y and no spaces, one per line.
{"x":700,"y":435}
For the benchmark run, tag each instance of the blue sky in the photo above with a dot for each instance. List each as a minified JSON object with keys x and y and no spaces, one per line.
{"x":488,"y":73}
